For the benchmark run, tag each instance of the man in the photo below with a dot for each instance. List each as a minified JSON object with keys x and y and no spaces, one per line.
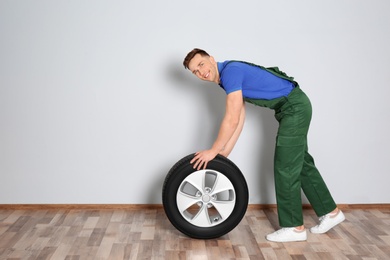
{"x":293,"y":166}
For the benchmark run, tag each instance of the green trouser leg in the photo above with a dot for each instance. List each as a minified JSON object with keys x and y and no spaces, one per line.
{"x":294,"y":167}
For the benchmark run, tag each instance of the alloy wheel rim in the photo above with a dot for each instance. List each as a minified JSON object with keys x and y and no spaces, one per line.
{"x":206,"y":198}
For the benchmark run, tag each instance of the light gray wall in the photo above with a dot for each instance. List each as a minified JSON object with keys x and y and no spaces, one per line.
{"x":95,"y":106}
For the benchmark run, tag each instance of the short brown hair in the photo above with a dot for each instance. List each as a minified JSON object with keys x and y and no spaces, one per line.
{"x":191,"y":54}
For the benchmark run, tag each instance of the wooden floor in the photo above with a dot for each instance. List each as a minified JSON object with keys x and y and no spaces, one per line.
{"x":147,"y":234}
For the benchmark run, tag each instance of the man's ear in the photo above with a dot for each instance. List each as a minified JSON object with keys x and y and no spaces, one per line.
{"x":212,"y":60}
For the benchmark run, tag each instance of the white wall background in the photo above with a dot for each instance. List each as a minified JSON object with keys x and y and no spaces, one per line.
{"x":95,"y":106}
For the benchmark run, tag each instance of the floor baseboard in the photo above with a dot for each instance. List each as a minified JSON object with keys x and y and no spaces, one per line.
{"x":157,"y":206}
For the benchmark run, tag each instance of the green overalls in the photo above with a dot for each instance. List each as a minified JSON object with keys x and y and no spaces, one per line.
{"x":294,"y":167}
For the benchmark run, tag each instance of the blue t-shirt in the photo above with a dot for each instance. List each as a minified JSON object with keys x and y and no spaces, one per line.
{"x":255,"y":82}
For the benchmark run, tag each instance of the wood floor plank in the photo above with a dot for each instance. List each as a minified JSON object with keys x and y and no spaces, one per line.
{"x":117,"y":252}
{"x":61,"y":251}
{"x":146,"y":233}
{"x":106,"y":248}
{"x":134,"y":251}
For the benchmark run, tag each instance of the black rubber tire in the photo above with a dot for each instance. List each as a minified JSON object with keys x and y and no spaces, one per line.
{"x":172,"y":183}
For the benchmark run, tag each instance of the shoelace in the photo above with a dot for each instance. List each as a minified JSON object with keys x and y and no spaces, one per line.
{"x":323,"y":218}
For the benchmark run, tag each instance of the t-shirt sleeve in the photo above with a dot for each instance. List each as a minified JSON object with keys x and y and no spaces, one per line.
{"x":232,"y":79}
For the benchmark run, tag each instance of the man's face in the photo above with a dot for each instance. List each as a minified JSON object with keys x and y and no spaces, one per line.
{"x":204,"y":67}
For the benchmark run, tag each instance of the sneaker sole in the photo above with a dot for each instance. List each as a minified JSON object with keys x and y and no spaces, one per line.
{"x":288,"y":240}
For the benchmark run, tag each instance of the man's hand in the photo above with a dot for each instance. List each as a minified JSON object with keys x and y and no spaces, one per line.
{"x":202,"y":158}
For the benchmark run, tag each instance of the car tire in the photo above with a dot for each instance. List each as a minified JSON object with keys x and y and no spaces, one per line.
{"x":208,"y":203}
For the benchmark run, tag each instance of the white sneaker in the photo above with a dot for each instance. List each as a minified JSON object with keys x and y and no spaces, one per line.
{"x":287,"y":235}
{"x":327,"y":222}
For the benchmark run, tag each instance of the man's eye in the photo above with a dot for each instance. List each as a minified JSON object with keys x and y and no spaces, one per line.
{"x":201,"y":64}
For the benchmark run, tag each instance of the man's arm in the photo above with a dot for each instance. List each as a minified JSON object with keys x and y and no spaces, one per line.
{"x":232,"y":142}
{"x":229,"y":125}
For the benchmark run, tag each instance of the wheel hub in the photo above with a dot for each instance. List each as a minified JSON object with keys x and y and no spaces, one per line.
{"x":206,"y":198}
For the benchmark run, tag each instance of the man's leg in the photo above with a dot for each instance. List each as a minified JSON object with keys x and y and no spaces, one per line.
{"x":294,"y":120}
{"x":315,"y":188}
{"x":319,"y":197}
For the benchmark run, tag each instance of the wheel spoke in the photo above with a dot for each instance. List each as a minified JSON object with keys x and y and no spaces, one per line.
{"x":202,"y":219}
{"x":222,"y":183}
{"x":196,"y":179}
{"x":185,"y":201}
{"x":224,"y":208}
